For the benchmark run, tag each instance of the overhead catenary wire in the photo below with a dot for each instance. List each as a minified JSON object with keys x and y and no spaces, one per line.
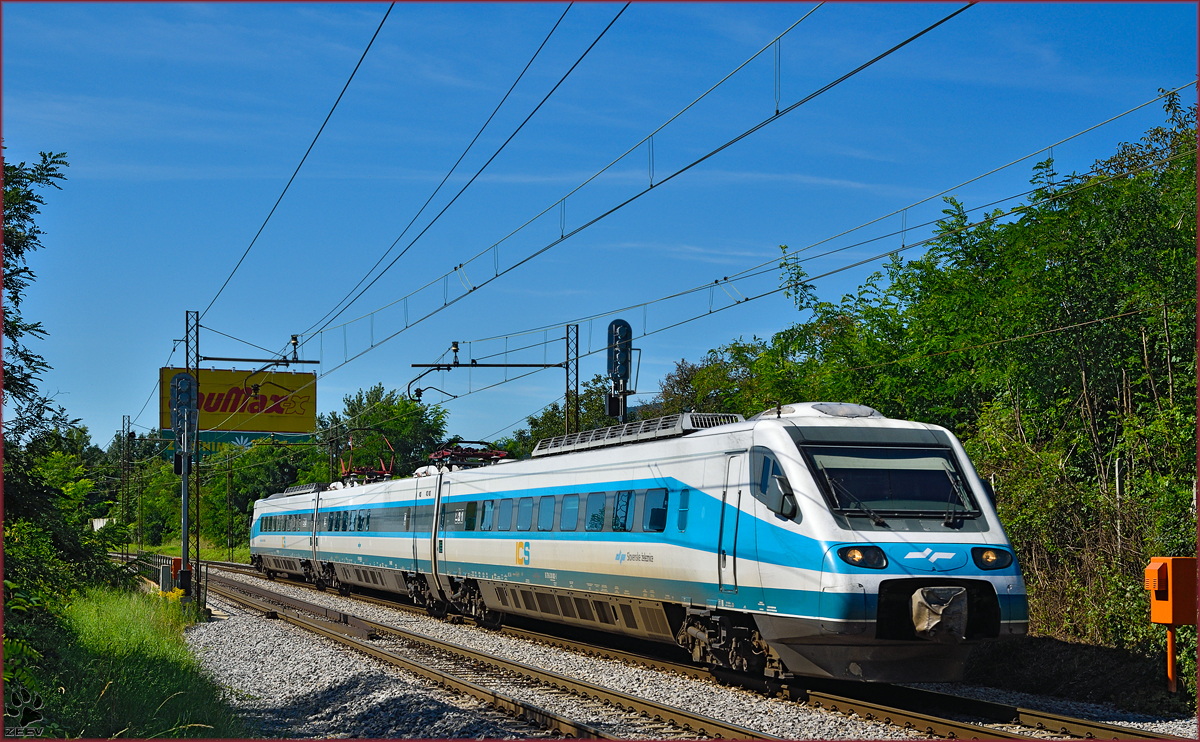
{"x":754,"y":270}
{"x":482,"y":168}
{"x":558,"y":202}
{"x":452,"y":169}
{"x":301,"y":164}
{"x":966,"y":227}
{"x":244,"y":342}
{"x":450,"y":302}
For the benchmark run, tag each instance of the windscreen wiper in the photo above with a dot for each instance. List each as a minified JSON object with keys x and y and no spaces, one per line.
{"x":951,"y":503}
{"x":875,"y":518}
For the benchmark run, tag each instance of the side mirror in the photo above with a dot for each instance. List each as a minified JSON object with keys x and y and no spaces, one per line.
{"x":991,"y":493}
{"x":788,"y":508}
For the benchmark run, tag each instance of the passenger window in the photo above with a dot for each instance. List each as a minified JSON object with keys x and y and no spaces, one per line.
{"x":569,"y":520}
{"x":684,"y":496}
{"x":524,"y":513}
{"x":595,"y":512}
{"x":546,"y":513}
{"x":623,"y":507}
{"x":367,"y":521}
{"x":654,"y":516}
{"x":504,"y":519}
{"x":472,"y":510}
{"x":343,"y":520}
{"x":485,"y":521}
{"x":407,"y":519}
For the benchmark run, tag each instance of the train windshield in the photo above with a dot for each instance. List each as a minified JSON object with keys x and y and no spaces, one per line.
{"x":887,"y":480}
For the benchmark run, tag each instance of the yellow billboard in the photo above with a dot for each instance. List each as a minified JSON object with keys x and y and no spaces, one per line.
{"x":245,"y":401}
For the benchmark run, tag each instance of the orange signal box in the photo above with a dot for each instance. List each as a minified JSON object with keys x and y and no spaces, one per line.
{"x":177,"y":564}
{"x":1172,"y":585}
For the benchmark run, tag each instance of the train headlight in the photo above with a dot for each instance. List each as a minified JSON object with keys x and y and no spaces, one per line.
{"x":987,"y":558}
{"x":871,"y":557}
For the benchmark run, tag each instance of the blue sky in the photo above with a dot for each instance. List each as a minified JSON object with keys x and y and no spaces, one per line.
{"x":183,"y":122}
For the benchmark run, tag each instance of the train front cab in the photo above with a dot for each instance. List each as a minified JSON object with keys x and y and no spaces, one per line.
{"x":892,"y":528}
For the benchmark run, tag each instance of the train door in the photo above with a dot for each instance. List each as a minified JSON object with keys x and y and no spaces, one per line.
{"x":422,"y":525}
{"x":315,"y":536}
{"x":439,"y":531}
{"x":407,"y":525}
{"x":731,"y":501}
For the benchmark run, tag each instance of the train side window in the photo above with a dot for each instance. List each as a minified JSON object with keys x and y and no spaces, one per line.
{"x":623,"y":509}
{"x":406,"y":520}
{"x":684,"y":496}
{"x":655,"y":512}
{"x":367,"y":521}
{"x":472,"y":516}
{"x":569,"y":519}
{"x":524,"y":513}
{"x":485,"y":518}
{"x":504,"y":516}
{"x":594,"y":517}
{"x":765,"y":469}
{"x":545,"y":519}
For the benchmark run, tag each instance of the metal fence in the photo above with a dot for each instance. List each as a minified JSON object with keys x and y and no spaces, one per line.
{"x":150,"y":564}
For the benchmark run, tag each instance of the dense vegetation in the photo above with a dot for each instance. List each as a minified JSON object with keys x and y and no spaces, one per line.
{"x":1057,"y":340}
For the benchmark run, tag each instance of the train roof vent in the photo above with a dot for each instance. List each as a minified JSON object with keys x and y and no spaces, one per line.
{"x":301,"y":489}
{"x":671,"y":426}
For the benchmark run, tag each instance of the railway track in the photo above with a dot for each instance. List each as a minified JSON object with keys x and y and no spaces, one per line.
{"x":929,"y":712}
{"x":465,"y":670}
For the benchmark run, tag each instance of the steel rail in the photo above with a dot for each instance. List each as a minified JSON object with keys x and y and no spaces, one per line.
{"x":880,"y":702}
{"x":681,"y":718}
{"x":338,"y":633}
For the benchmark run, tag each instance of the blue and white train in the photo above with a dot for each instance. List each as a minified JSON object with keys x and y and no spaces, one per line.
{"x":815,"y":539}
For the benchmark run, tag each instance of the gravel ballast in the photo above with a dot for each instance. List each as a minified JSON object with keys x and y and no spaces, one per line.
{"x":287,"y":682}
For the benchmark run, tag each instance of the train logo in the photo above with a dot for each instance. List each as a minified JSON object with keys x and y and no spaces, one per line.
{"x":929,"y":554}
{"x":523,"y":553}
{"x":620,"y":557}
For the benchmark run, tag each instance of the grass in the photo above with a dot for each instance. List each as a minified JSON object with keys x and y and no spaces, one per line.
{"x":207,"y":551}
{"x":122,"y":669}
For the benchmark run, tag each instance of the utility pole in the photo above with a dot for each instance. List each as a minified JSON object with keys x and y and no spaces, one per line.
{"x":125,"y":483}
{"x":228,"y":508}
{"x":192,"y":366}
{"x":571,"y":399}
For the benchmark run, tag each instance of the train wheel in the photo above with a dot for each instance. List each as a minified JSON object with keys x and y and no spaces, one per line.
{"x":344,"y":590}
{"x":490,"y":620}
{"x":320,"y":584}
{"x":270,"y":575}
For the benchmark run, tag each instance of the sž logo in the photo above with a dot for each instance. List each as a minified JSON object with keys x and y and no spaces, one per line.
{"x":523,"y":553}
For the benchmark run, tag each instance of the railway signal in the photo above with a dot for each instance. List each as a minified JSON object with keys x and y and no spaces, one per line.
{"x":620,"y":353}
